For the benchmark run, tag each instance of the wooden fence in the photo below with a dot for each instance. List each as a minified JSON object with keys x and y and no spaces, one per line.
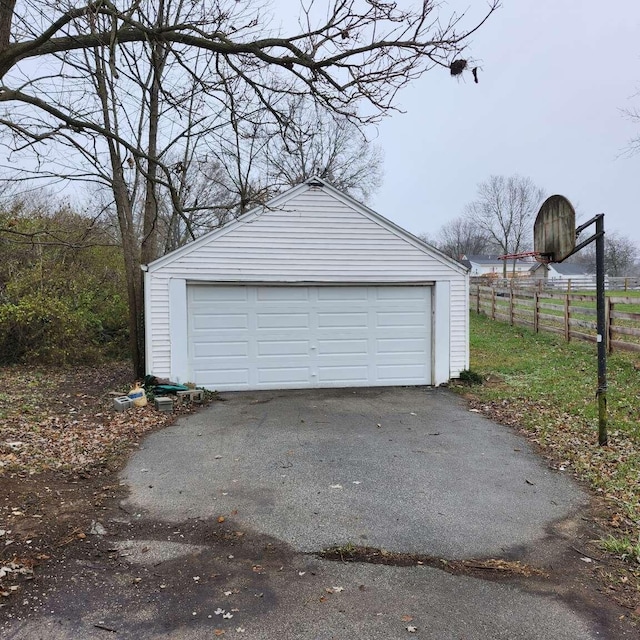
{"x":569,"y":314}
{"x":580,"y":283}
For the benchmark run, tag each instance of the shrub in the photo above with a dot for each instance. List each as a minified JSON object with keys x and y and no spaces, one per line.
{"x":47,"y":330}
{"x":62,"y":294}
{"x":470,"y":377}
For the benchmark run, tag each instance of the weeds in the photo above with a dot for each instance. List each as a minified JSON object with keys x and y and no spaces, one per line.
{"x":622,"y":547}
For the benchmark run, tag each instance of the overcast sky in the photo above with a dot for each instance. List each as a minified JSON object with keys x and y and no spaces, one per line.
{"x":555,"y":77}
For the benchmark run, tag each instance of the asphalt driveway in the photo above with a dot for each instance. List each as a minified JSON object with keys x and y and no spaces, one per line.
{"x":404,"y":469}
{"x":230,"y":508}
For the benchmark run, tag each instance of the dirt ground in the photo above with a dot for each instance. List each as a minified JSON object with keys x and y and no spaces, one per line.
{"x":61,"y":445}
{"x":51,"y":515}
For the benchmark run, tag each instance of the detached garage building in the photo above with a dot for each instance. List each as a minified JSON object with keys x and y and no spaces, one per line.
{"x":312,"y":290}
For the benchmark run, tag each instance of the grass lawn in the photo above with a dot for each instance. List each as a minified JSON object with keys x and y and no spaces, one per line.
{"x":547,"y":387}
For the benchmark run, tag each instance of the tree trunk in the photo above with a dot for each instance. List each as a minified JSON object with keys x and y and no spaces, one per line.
{"x":149,"y":245}
{"x":149,"y":250}
{"x":6,"y":17}
{"x":124,"y":211}
{"x":133,"y":272}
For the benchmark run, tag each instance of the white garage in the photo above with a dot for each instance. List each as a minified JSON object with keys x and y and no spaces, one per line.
{"x":312,"y":290}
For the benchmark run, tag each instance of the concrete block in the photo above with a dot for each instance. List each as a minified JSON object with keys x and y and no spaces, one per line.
{"x":164,"y":404}
{"x":122,"y":403}
{"x":195,"y":395}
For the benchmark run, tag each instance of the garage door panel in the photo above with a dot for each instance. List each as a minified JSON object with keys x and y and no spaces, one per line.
{"x":283,"y":362}
{"x":342,"y":320}
{"x":401,"y":345}
{"x":401,"y":374}
{"x":282,"y":320}
{"x":400,"y":293}
{"x":285,"y":376}
{"x":399,"y":359}
{"x":269,"y":337}
{"x":354,"y":374}
{"x":333,"y":294}
{"x":401,"y":319}
{"x":282,"y":294}
{"x":282,"y":346}
{"x":221,"y":349}
{"x":209,"y":321}
{"x":348,"y":346}
{"x":223,"y":378}
{"x":208,"y":295}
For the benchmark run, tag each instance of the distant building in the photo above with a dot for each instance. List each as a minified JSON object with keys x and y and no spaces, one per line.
{"x":561,"y":272}
{"x":493,"y":267}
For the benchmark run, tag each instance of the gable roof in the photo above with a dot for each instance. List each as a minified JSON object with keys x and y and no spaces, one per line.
{"x":570,"y":269}
{"x":564,"y":269}
{"x":492,"y":259}
{"x":280,"y":201}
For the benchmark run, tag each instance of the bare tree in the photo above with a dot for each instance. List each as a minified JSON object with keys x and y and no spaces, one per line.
{"x":463,"y":236}
{"x":505,"y":210}
{"x":318,"y":142}
{"x":621,"y":256}
{"x":633,"y":114}
{"x":158,"y":54}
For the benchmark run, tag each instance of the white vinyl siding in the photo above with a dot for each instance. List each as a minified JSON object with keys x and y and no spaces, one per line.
{"x":313,"y":236}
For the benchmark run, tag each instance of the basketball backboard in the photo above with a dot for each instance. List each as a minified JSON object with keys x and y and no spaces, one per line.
{"x":554,"y":232}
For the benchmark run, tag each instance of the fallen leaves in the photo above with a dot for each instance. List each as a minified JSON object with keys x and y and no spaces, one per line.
{"x":44,"y":426}
{"x":15,"y":568}
{"x":334,"y":589}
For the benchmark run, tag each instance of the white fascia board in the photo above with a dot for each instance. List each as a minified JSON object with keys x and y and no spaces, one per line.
{"x":245,"y":218}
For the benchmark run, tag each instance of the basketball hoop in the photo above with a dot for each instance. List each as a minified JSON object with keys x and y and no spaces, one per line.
{"x":554,"y":231}
{"x":544,"y":258}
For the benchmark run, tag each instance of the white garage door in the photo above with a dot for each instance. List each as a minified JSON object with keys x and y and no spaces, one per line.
{"x":292,"y":337}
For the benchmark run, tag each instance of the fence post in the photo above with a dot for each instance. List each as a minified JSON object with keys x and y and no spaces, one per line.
{"x":478,"y":300}
{"x":608,"y":322}
{"x":493,"y":304}
{"x":567,"y":327}
{"x":511,"y":306}
{"x":536,"y":298}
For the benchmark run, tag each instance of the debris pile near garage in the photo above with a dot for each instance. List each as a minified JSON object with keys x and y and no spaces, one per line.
{"x":65,"y":421}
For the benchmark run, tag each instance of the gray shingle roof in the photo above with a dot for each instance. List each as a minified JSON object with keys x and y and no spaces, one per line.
{"x":570,"y":269}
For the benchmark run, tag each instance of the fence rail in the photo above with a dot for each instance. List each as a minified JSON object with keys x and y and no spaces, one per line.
{"x":568,"y":314}
{"x":578,"y":283}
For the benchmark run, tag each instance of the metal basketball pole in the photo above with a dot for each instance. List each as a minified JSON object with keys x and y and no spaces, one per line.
{"x":601,"y":393}
{"x":554,"y":240}
{"x":601,"y":329}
